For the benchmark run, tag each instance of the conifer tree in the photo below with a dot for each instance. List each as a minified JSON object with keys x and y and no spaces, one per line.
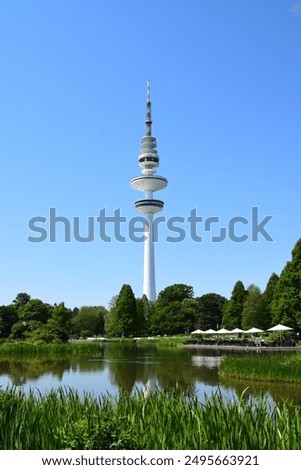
{"x":253,"y":313}
{"x":268,"y":295}
{"x":126,"y":311}
{"x":232,"y":317}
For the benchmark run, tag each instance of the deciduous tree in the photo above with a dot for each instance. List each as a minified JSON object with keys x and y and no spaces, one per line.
{"x":22,"y":299}
{"x":8,"y":317}
{"x":35,"y":310}
{"x":211,"y":310}
{"x":59,"y":325}
{"x":175,"y":292}
{"x":89,"y":321}
{"x":286,"y":304}
{"x":175,"y":311}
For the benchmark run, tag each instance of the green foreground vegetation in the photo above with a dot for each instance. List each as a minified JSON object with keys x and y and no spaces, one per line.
{"x":269,"y":368}
{"x":163,"y":420}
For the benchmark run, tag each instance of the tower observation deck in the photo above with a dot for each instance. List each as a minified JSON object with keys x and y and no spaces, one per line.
{"x":148,"y":183}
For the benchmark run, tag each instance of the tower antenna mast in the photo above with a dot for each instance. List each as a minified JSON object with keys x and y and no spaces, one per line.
{"x":148,"y":120}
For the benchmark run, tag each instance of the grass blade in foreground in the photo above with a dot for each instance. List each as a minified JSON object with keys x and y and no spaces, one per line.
{"x":163,"y":420}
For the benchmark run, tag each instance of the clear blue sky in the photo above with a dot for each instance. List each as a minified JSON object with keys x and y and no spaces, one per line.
{"x":226,"y":99}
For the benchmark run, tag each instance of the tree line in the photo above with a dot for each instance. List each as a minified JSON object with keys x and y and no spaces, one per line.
{"x":176,"y":311}
{"x":34,"y":320}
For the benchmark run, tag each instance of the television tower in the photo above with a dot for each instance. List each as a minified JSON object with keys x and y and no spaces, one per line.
{"x":148,"y":183}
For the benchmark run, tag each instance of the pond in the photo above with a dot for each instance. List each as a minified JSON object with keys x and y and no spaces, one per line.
{"x":124,"y":367}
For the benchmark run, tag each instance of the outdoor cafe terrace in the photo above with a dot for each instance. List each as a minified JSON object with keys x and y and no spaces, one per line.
{"x":251,"y":338}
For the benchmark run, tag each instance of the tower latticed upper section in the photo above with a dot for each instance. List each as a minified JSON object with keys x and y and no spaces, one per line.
{"x":148,"y":157}
{"x":148,"y":182}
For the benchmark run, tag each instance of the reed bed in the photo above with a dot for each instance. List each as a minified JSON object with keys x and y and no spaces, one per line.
{"x":158,"y":341}
{"x":271,"y":367}
{"x":162,"y":420}
{"x":26,"y":349}
{"x":166,"y":341}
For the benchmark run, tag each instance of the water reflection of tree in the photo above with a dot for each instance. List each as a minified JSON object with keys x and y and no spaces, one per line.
{"x":186,"y":369}
{"x":22,"y":371}
{"x":181,"y":371}
{"x":129,"y":365}
{"x":176,"y":375}
{"x":135,"y":365}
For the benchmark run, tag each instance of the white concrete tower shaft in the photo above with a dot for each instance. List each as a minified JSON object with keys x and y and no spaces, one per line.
{"x":148,"y":183}
{"x":149,"y":278}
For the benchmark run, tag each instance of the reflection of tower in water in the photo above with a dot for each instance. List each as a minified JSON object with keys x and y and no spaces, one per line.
{"x":127,"y":370}
{"x":149,"y":386}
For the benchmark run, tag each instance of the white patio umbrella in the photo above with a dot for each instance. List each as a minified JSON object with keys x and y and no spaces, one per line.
{"x":237,"y":330}
{"x":280,"y":328}
{"x":210,"y":331}
{"x":223,"y":331}
{"x":197,"y":332}
{"x":253,"y":330}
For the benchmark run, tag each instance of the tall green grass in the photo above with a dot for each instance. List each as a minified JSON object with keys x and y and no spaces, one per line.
{"x":24,"y":348}
{"x":163,"y":420}
{"x":271,"y":367}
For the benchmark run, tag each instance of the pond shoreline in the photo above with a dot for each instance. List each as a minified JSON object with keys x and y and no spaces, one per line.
{"x":235,"y":347}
